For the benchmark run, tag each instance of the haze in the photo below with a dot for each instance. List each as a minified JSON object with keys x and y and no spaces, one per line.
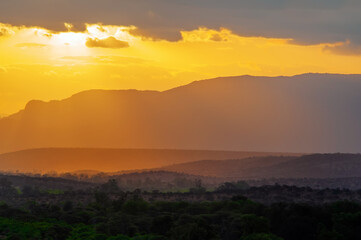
{"x":51,"y":50}
{"x":294,"y":85}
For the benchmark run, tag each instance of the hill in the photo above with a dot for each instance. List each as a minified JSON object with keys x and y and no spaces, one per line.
{"x":45,"y":183}
{"x":157,"y":180}
{"x":232,"y":168}
{"x":304,"y":113}
{"x":307,"y":166}
{"x":84,"y":160}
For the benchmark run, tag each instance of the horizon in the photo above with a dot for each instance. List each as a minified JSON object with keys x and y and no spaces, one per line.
{"x":180,"y":119}
{"x":110,"y":156}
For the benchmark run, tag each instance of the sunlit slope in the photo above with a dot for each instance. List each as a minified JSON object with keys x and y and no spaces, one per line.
{"x":304,"y":113}
{"x":107,"y":160}
{"x":307,"y":166}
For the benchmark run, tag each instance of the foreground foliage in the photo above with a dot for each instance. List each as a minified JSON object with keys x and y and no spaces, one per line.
{"x":121,"y":219}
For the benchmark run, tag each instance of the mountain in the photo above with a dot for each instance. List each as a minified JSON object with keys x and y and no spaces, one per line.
{"x":336,"y":165}
{"x":157,"y":180}
{"x":307,"y":166}
{"x":232,"y":168}
{"x":106,"y":160}
{"x":46,"y":183}
{"x":303,"y":113}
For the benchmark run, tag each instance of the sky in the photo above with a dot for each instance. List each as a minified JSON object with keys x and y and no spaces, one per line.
{"x":51,"y":49}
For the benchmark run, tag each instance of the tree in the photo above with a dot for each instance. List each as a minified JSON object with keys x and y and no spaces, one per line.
{"x":251,"y":224}
{"x":261,"y":236}
{"x":6,"y":187}
{"x":110,"y":187}
{"x":198,"y":188}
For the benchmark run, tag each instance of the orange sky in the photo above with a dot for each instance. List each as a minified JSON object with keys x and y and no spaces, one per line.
{"x":36,"y":63}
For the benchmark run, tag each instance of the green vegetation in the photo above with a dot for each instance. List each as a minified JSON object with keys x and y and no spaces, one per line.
{"x":106,"y":212}
{"x":55,"y":191}
{"x":120,"y":219}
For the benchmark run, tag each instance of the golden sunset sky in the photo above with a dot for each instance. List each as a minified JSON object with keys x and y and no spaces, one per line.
{"x":38,"y":61}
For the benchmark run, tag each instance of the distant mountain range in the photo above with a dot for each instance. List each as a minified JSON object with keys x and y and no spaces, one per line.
{"x":304,"y":113}
{"x":139,"y":163}
{"x":307,"y":166}
{"x":94,"y":160}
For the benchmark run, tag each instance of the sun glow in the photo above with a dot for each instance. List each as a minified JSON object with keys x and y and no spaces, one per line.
{"x":69,"y":39}
{"x":121,"y":33}
{"x":39,"y":63}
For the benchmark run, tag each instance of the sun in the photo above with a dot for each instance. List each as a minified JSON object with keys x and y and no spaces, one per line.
{"x":69,"y":39}
{"x":93,"y":31}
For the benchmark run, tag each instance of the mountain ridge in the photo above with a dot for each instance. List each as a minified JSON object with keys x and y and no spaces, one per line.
{"x":322,"y":166}
{"x":108,"y":160}
{"x":315,"y":113}
{"x":181,"y":86}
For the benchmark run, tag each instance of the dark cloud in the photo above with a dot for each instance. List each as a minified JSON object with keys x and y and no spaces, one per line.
{"x":157,"y":34}
{"x":110,"y":42}
{"x":306,"y":21}
{"x":347,"y":48}
{"x":217,"y":37}
{"x":3,"y":32}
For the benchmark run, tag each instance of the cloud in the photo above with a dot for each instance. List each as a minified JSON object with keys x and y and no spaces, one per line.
{"x":307,"y":21}
{"x":203,"y":34}
{"x":3,"y":32}
{"x":346,"y":48}
{"x":217,"y":38}
{"x":6,"y":30}
{"x":68,"y":26}
{"x":156,"y":34}
{"x":110,"y":42}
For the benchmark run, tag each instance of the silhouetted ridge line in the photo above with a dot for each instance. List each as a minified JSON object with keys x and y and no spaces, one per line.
{"x":303,"y":113}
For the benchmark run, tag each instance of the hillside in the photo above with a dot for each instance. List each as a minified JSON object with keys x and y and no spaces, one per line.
{"x":336,"y":165}
{"x":83,"y":160}
{"x":304,"y":113}
{"x":232,"y":168}
{"x":46,"y":183}
{"x":308,"y":166}
{"x":158,"y":180}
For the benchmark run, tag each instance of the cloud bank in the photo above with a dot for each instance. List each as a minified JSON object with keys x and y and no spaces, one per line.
{"x":347,"y":48}
{"x":40,"y":63}
{"x":308,"y":22}
{"x":110,"y":42}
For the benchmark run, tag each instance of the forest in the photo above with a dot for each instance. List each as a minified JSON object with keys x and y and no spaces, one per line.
{"x":106,"y":212}
{"x":238,"y":218}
